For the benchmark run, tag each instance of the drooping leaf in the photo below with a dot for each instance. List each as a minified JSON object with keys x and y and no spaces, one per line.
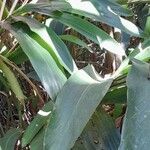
{"x":100,"y":133}
{"x":50,"y":75}
{"x":44,"y":8}
{"x":90,"y":31}
{"x":55,"y":45}
{"x":9,"y":140}
{"x":135,"y":130}
{"x":99,"y":10}
{"x":37,"y":123}
{"x":56,"y":26}
{"x":74,"y":109}
{"x":104,"y":11}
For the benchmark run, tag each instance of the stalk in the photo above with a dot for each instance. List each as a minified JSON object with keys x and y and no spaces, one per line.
{"x":4,"y":12}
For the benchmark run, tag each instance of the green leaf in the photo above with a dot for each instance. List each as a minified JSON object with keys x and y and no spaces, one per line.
{"x":17,"y":56}
{"x":124,"y":66}
{"x":56,"y":47}
{"x":107,"y":12}
{"x":9,"y":140}
{"x":100,"y":133}
{"x":74,"y":109}
{"x":96,"y":9}
{"x":12,"y":81}
{"x":37,"y":123}
{"x":76,"y":40}
{"x":44,"y":8}
{"x":144,"y":54}
{"x":135,"y":132}
{"x":50,"y":75}
{"x":117,"y":95}
{"x":3,"y":82}
{"x":137,"y":1}
{"x":37,"y":142}
{"x":90,"y":70}
{"x":91,"y":31}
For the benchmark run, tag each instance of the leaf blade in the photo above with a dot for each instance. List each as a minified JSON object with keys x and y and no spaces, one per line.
{"x":91,"y":31}
{"x":71,"y":110}
{"x":54,"y":42}
{"x":9,"y":140}
{"x":99,"y":133}
{"x":104,"y":11}
{"x":50,"y":75}
{"x":136,"y":122}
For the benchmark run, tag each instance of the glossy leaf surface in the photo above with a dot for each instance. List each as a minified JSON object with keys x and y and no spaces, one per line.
{"x":74,"y":109}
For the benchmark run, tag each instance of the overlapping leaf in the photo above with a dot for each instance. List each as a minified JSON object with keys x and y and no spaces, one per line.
{"x":50,"y":75}
{"x":55,"y":45}
{"x":99,"y":10}
{"x":44,"y":8}
{"x":100,"y":133}
{"x":74,"y":109}
{"x":104,"y":11}
{"x":38,"y":122}
{"x":9,"y":140}
{"x":90,"y":31}
{"x":135,"y":134}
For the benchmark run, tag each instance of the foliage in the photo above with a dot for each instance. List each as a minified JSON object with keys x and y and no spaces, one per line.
{"x":56,"y":104}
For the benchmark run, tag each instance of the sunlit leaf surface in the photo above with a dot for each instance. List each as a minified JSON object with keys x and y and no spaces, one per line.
{"x":74,"y":109}
{"x":135,"y":133}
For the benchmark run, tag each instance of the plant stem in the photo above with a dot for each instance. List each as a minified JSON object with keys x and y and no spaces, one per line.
{"x":24,"y":76}
{"x":5,"y":13}
{"x":13,"y":82}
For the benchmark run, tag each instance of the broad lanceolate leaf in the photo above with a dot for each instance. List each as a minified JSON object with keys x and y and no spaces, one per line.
{"x":99,"y":10}
{"x":50,"y":75}
{"x":91,"y":31}
{"x":56,"y":47}
{"x":74,"y":109}
{"x":100,"y":133}
{"x":105,"y":11}
{"x":38,"y":122}
{"x":9,"y":140}
{"x":135,"y":133}
{"x":44,"y":8}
